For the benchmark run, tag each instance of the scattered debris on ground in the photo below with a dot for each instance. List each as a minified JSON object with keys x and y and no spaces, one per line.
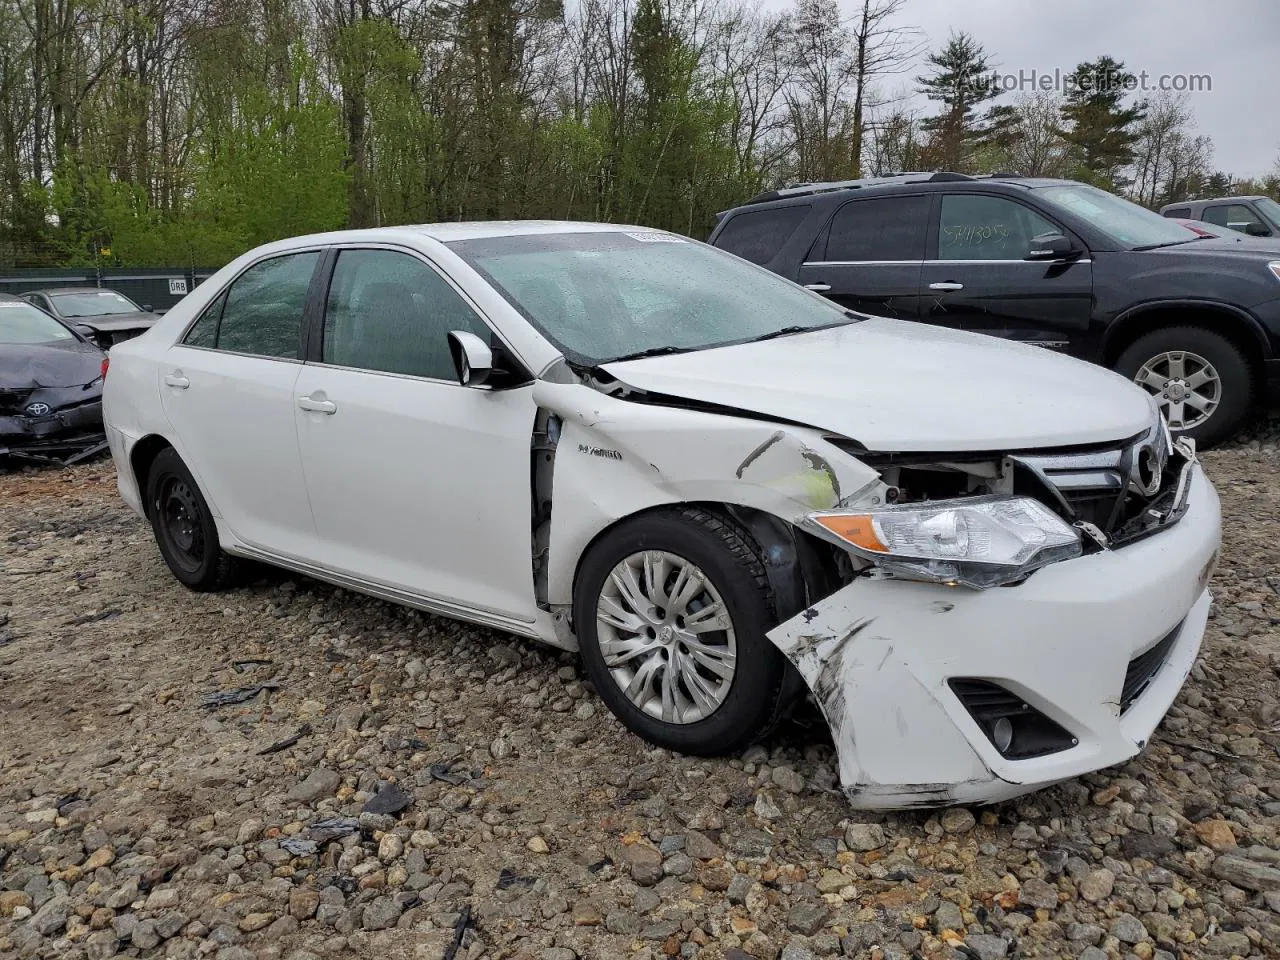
{"x":398,"y":785}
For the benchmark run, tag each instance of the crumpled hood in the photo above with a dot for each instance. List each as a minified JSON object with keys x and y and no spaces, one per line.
{"x":892,"y":385}
{"x":69,"y":363}
{"x":111,"y":322}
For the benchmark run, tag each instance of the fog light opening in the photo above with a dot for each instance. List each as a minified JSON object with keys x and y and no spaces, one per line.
{"x":1002,"y":734}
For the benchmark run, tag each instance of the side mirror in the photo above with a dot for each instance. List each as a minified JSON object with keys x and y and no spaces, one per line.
{"x":1255,"y":229}
{"x":472,"y":358}
{"x":1050,"y":246}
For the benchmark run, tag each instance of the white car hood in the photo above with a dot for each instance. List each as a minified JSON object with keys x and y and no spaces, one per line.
{"x":898,"y":386}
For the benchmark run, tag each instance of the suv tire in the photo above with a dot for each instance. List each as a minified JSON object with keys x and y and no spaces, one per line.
{"x":184,"y":527}
{"x":1174,"y":360}
{"x":724,"y":714}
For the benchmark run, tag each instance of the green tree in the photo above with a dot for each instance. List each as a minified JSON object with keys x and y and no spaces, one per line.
{"x":1101,"y":129}
{"x":961,"y":80}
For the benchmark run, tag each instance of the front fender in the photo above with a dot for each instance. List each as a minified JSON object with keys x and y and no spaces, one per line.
{"x":614,"y":458}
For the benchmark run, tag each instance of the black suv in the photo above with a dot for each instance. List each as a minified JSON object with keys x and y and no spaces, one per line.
{"x":1195,"y":320}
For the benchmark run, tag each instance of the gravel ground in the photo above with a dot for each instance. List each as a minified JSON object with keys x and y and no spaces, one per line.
{"x":390,"y":783}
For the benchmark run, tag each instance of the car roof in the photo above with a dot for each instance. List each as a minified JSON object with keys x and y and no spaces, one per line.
{"x":452,"y":231}
{"x":943,"y":181}
{"x":80,"y":289}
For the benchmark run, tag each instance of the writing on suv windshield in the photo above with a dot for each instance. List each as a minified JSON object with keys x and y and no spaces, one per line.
{"x":601,"y":296}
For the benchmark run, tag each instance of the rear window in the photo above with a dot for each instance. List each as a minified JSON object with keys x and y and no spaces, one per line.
{"x":1181,"y":212}
{"x":885,"y":228}
{"x":758,"y":235}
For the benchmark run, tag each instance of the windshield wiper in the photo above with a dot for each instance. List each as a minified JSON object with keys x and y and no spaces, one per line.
{"x":788,"y":331}
{"x":650,"y":352}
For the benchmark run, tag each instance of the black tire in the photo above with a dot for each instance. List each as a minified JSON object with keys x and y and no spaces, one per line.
{"x":1235,"y":376}
{"x":184,"y":528}
{"x":755,"y":700}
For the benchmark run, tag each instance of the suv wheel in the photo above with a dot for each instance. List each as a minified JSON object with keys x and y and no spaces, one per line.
{"x":1201,"y":380}
{"x":671,"y":610}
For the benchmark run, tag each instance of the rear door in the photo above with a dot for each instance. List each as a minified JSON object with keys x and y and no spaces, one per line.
{"x":228,"y":389}
{"x":868,"y":257}
{"x":977,"y":278}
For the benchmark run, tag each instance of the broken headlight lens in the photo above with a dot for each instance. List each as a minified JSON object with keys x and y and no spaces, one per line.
{"x":979,"y":542}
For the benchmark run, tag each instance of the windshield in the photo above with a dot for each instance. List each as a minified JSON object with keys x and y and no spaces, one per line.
{"x":1126,"y":222}
{"x":1270,"y":209}
{"x":93,"y":303}
{"x":604,"y":296}
{"x":23,"y":323}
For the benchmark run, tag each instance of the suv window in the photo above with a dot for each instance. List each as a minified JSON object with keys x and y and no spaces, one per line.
{"x":391,"y":313}
{"x":1180,"y":212}
{"x":758,"y":235}
{"x":881,"y":228}
{"x":1237,"y":216}
{"x":262,"y":311}
{"x":977,"y":227}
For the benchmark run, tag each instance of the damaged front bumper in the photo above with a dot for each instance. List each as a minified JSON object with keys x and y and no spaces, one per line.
{"x":61,"y":436}
{"x":942,"y":695}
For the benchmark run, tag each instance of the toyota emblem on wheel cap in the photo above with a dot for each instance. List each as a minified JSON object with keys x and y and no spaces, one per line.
{"x":38,"y":409}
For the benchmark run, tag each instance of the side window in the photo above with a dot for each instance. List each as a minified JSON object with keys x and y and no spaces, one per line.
{"x":262,"y":313}
{"x":885,"y":228}
{"x":1182,"y":213}
{"x":758,"y":235}
{"x":389,"y":312}
{"x":1237,"y":216}
{"x":204,"y":332}
{"x":976,"y":227}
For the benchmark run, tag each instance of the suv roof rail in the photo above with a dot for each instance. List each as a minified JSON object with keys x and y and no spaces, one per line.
{"x":807,"y":189}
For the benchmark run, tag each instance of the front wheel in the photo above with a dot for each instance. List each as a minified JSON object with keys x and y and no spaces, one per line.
{"x":1201,"y":380}
{"x":671,"y":610}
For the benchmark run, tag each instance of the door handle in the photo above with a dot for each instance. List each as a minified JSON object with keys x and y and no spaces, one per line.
{"x":946,"y":286}
{"x":818,"y":287}
{"x":176,"y":380}
{"x":318,"y":406}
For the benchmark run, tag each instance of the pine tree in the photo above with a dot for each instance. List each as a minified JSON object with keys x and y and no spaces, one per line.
{"x":1100,"y":128}
{"x":961,"y":81}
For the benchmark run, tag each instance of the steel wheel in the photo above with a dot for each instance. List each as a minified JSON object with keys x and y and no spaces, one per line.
{"x":1187,"y":386}
{"x":666,"y":636}
{"x":180,"y":518}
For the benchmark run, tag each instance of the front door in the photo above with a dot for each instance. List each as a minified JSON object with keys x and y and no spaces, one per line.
{"x":228,"y":389}
{"x":977,"y":277}
{"x":868,"y":257}
{"x":415,"y":482}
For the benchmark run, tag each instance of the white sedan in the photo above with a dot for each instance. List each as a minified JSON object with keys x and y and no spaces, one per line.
{"x":986,"y":562}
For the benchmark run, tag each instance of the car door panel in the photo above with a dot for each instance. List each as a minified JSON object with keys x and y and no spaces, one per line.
{"x":415,"y":482}
{"x":868,"y":256}
{"x":228,"y":389}
{"x":976,"y":278}
{"x":421,"y":485}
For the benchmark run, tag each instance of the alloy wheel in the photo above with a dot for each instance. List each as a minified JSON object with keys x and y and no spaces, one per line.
{"x":1185,"y":384}
{"x":666,"y":636}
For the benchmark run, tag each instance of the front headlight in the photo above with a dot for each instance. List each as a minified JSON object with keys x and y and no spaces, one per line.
{"x":979,"y":542}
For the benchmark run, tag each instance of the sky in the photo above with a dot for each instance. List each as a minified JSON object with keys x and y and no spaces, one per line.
{"x":1235,"y":42}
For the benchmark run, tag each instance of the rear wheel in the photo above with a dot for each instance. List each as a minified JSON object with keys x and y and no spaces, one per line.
{"x":184,"y":527}
{"x":1201,"y":380}
{"x":671,"y":610}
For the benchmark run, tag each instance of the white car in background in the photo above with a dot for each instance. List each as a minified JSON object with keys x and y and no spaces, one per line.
{"x":986,"y":562}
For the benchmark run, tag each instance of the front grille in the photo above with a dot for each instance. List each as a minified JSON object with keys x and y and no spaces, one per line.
{"x":1029,"y":732}
{"x":1144,"y":667}
{"x":1103,"y":486}
{"x":13,"y":403}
